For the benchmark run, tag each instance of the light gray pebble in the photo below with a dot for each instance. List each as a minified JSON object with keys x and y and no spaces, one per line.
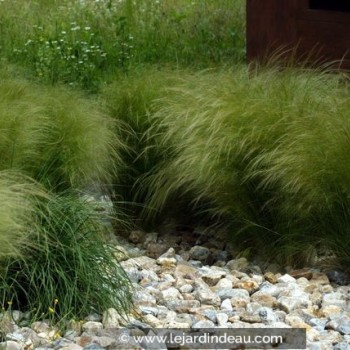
{"x":318,"y":323}
{"x":196,"y":263}
{"x":186,"y":288}
{"x":319,"y":346}
{"x":342,"y":346}
{"x":72,"y":347}
{"x":147,"y":310}
{"x":203,"y":324}
{"x":10,"y":345}
{"x":229,"y":293}
{"x":93,"y":346}
{"x":221,"y":318}
{"x":286,"y":279}
{"x":211,"y":315}
{"x":92,"y":327}
{"x":226,"y":305}
{"x":343,"y":325}
{"x":199,"y":253}
{"x":94,"y":317}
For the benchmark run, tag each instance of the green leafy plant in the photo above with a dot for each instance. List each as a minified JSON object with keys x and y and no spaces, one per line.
{"x":84,"y":43}
{"x":73,"y":56}
{"x":71,"y":270}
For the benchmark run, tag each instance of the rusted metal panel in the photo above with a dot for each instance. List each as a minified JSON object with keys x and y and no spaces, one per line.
{"x":321,"y":27}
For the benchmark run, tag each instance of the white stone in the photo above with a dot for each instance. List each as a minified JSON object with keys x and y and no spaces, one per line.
{"x":286,"y":279}
{"x":270,"y":289}
{"x":176,"y":325}
{"x":111,"y":318}
{"x":224,"y":283}
{"x":288,"y":304}
{"x":168,"y":262}
{"x":152,"y":321}
{"x":171,"y":294}
{"x":40,"y":327}
{"x":335,"y":298}
{"x":205,"y":295}
{"x":186,"y":288}
{"x":92,"y":327}
{"x":143,"y":297}
{"x":226,"y":305}
{"x":221,"y":318}
{"x":149,"y":274}
{"x":72,"y":347}
{"x":10,"y":345}
{"x":266,"y":315}
{"x":203,"y":324}
{"x":212,"y":278}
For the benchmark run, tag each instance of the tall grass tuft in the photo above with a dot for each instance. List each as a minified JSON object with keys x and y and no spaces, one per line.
{"x":71,"y":271}
{"x":130,"y":101}
{"x":56,"y":136}
{"x":18,"y":197}
{"x":266,"y":148}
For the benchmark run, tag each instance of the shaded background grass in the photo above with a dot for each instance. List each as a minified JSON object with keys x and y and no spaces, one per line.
{"x":83,"y":42}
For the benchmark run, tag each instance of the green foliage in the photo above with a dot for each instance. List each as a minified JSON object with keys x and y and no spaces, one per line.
{"x":130,"y":101}
{"x":70,"y":271}
{"x":64,"y":57}
{"x":267,"y":149}
{"x":83,"y":42}
{"x":63,"y":140}
{"x":18,"y":196}
{"x":54,"y":135}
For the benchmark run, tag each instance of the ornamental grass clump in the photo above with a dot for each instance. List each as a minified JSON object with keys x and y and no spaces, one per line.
{"x":70,"y":272}
{"x":265,"y":151}
{"x":311,"y":168}
{"x":55,"y":135}
{"x":18,"y":198}
{"x":130,"y":101}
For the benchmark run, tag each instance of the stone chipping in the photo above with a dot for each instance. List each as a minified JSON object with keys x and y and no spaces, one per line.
{"x":195,"y":287}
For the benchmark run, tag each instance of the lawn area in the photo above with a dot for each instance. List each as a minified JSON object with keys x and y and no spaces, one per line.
{"x":153,"y":103}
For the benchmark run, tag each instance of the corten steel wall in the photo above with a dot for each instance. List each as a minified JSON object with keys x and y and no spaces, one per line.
{"x":319,"y":29}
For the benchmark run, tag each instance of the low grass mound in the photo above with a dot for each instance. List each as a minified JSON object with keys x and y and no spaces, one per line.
{"x":70,"y":271}
{"x":55,"y":135}
{"x":267,"y":149}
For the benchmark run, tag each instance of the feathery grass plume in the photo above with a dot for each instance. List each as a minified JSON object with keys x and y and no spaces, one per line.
{"x":256,"y":144}
{"x":310,"y":166}
{"x":54,"y":135}
{"x":130,"y":101}
{"x":81,"y":145}
{"x":212,"y":124}
{"x":18,"y":197}
{"x":71,"y":271}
